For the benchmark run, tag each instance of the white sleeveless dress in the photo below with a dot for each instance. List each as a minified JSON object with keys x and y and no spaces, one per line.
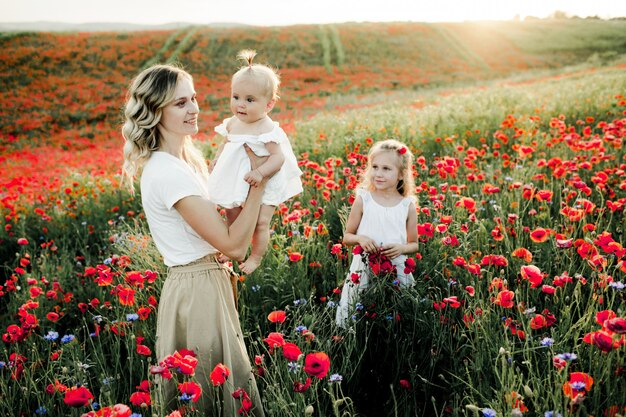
{"x":227,"y":187}
{"x":384,"y":225}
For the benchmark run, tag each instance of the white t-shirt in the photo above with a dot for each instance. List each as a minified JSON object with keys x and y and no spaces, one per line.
{"x":164,"y":181}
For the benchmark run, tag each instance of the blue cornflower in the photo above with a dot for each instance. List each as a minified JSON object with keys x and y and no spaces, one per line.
{"x":95,"y":406}
{"x":41,"y":410}
{"x":132,"y":317}
{"x":67,"y":338}
{"x":578,"y":386}
{"x":136,"y":415}
{"x":618,"y":285}
{"x":336,"y":378}
{"x":552,"y":414}
{"x":51,"y":336}
{"x":547,"y":341}
{"x":331,"y":304}
{"x":2,"y":364}
{"x":293,"y":366}
{"x":107,"y":261}
{"x":389,"y":317}
{"x":359,"y":306}
{"x":255,"y":288}
{"x":299,"y":302}
{"x":185,"y":397}
{"x":301,"y":328}
{"x":107,"y":380}
{"x":567,"y":356}
{"x":489,"y":412}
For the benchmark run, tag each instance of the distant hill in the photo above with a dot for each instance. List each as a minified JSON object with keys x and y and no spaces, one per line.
{"x":100,"y":26}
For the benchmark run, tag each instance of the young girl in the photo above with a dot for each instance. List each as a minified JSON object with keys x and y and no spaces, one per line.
{"x":382,"y":219}
{"x":254,"y":91}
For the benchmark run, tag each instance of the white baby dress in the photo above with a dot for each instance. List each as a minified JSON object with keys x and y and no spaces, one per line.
{"x":227,"y":187}
{"x":383,"y":225}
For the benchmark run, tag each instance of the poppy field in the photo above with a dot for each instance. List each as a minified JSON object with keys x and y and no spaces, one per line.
{"x":519,"y":306}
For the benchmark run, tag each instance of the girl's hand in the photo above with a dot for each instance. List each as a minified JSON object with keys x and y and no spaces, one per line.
{"x":254,"y":178}
{"x":392,"y":250}
{"x":368,"y":245}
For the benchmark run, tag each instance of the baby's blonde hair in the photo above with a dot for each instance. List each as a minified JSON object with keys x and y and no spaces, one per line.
{"x":269,"y":78}
{"x":148,"y":94}
{"x":405,"y":186}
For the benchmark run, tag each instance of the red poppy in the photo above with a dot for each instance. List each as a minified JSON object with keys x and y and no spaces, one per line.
{"x":616,"y":325}
{"x":604,"y":315}
{"x":538,"y":322}
{"x":505,"y":299}
{"x":300,"y":387}
{"x":317,"y":364}
{"x":532,"y":274}
{"x":295,"y":256}
{"x":141,"y":398}
{"x":539,"y":235}
{"x":78,"y":397}
{"x":274,"y":340}
{"x":603,"y":340}
{"x":126,"y":295}
{"x":523,"y":253}
{"x":22,"y":241}
{"x":192,"y":389}
{"x":220,"y":374}
{"x":278,"y":316}
{"x":291,"y":351}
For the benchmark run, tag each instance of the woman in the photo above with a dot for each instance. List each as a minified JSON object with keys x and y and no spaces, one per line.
{"x":197,"y":307}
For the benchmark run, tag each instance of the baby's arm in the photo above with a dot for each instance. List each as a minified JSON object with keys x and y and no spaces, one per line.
{"x":350,"y":238}
{"x":393,"y":250}
{"x":269,"y":167}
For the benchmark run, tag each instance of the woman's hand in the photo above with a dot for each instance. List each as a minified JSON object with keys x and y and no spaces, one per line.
{"x":255,"y":160}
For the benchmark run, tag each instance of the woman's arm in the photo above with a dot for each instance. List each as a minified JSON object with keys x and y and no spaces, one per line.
{"x":205,"y":220}
{"x":269,"y":167}
{"x":350,"y":238}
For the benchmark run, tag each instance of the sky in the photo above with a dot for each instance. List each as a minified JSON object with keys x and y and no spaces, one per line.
{"x":289,"y":12}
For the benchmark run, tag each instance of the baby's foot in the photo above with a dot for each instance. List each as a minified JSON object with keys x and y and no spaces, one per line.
{"x":250,"y":264}
{"x":221,"y":258}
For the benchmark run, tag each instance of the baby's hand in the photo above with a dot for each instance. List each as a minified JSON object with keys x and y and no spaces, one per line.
{"x":253,"y":178}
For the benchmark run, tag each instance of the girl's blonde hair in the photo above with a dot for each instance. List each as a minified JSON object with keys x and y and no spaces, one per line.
{"x":268,"y":77}
{"x":404,"y":157}
{"x":148,"y":94}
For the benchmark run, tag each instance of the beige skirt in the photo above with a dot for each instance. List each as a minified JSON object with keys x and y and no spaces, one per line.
{"x":197,"y":311}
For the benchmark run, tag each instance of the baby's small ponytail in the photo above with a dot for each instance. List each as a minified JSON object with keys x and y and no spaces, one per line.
{"x":247,"y":55}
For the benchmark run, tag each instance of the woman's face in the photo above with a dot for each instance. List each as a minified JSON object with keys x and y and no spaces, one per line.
{"x":180,"y":116}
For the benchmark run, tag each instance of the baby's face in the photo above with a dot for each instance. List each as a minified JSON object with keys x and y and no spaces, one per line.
{"x":248,"y":100}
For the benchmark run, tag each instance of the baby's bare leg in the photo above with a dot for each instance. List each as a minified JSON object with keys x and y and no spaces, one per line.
{"x":260,"y":240}
{"x":231,"y":216}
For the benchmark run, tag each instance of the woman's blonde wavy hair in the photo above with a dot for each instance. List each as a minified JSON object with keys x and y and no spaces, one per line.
{"x":148,"y":94}
{"x":405,"y":186}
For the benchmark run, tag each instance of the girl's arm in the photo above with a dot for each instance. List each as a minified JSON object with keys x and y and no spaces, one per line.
{"x":393,"y":250}
{"x":205,"y":220}
{"x":350,"y":238}
{"x":269,"y":167}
